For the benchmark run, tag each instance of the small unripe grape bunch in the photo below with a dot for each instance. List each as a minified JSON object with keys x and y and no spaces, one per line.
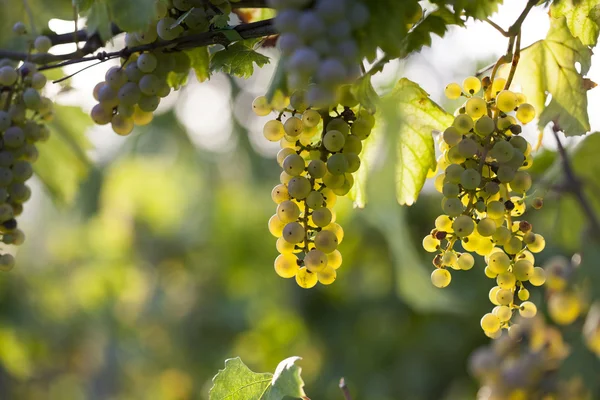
{"x":484,"y":181}
{"x":319,"y":153}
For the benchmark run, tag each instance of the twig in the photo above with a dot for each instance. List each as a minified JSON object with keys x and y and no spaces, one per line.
{"x":344,"y":389}
{"x":574,"y":186}
{"x":515,"y":62}
{"x":497,"y":27}
{"x":30,"y":16}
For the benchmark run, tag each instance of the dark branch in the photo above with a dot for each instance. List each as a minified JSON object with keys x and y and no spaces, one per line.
{"x":344,"y":389}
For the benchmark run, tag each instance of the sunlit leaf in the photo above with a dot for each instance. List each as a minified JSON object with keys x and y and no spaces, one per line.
{"x":200,"y":62}
{"x":583,"y":18}
{"x":237,"y":59}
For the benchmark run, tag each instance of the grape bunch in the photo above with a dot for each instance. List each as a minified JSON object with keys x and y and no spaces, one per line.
{"x":131,"y":93}
{"x":524,"y":364}
{"x":317,"y":44}
{"x":319,"y":152}
{"x":485,"y":183}
{"x":23,"y":114}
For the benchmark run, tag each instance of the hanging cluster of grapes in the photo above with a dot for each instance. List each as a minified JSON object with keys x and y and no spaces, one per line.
{"x":484,"y":183}
{"x":132,"y":92}
{"x":525,"y":365}
{"x":317,"y":44}
{"x":319,"y":152}
{"x":23,"y":113}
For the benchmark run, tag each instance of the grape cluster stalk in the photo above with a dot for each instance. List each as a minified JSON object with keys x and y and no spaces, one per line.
{"x":484,"y":181}
{"x":319,"y":153}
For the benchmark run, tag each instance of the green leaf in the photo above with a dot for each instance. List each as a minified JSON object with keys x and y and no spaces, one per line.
{"x":132,"y":15}
{"x":412,"y":116}
{"x":583,"y":18}
{"x":237,"y":59}
{"x":363,"y":90}
{"x":237,"y":382}
{"x":548,"y":67}
{"x":368,"y":156}
{"x":434,"y":23}
{"x":63,"y":163}
{"x":98,"y":19}
{"x":469,"y":8}
{"x":199,"y":58}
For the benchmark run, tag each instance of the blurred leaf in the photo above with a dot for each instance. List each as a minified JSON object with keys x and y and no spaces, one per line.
{"x":543,"y":161}
{"x":588,"y":270}
{"x":581,"y":362}
{"x":434,"y":23}
{"x":368,"y":156}
{"x":237,"y":59}
{"x":412,"y":116}
{"x":199,"y":60}
{"x":583,"y":18}
{"x":548,"y":67}
{"x":478,"y":9}
{"x":132,"y":15}
{"x":238,"y":382}
{"x":278,"y":81}
{"x":177,"y":80}
{"x":63,"y":163}
{"x":98,"y":19}
{"x":363,"y":90}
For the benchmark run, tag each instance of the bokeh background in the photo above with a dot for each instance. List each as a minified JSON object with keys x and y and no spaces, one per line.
{"x":156,"y":263}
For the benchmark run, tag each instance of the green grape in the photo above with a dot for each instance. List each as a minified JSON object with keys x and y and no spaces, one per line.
{"x":283,"y":246}
{"x":438,"y":182}
{"x":499,"y":262}
{"x":430,"y":244}
{"x":519,"y":143}
{"x":129,"y":94}
{"x":283,"y":153}
{"x":32,"y":99}
{"x":22,"y":171}
{"x":498,"y":85}
{"x":504,"y":313}
{"x":19,"y":28}
{"x":334,"y":259}
{"x":121,"y":125}
{"x":315,"y":200}
{"x":306,"y":279}
{"x":527,"y":309}
{"x":467,"y":147}
{"x":42,"y":44}
{"x":286,"y":265}
{"x":334,"y":141}
{"x":298,"y":100}
{"x":133,"y":74}
{"x":326,"y":241}
{"x":486,"y":227}
{"x":450,"y":259}
{"x":505,"y":174}
{"x":523,"y":270}
{"x":333,"y":181}
{"x":293,"y":232}
{"x":260,"y":105}
{"x":100,"y":114}
{"x":276,"y":226}
{"x":465,"y":261}
{"x":443,"y":223}
{"x":147,"y":62}
{"x":338,"y":124}
{"x":322,"y":217}
{"x":353,"y":162}
{"x":315,"y":260}
{"x":521,"y":182}
{"x":168,"y":29}
{"x":148,"y":103}
{"x":273,"y":130}
{"x":451,"y":190}
{"x":361,"y":128}
{"x":7,"y":262}
{"x":502,"y":151}
{"x":484,"y":126}
{"x":538,"y":245}
{"x":346,"y":186}
{"x":453,"y":173}
{"x":337,"y":229}
{"x":6,"y":177}
{"x":506,"y":280}
{"x":367,"y":117}
{"x":538,"y":278}
{"x":454,"y":157}
{"x":463,"y":225}
{"x":451,"y":136}
{"x":495,"y":209}
{"x":472,"y":85}
{"x":506,"y":122}
{"x":311,"y":118}
{"x":564,"y":308}
{"x":440,"y":278}
{"x":504,"y":297}
{"x":491,"y":188}
{"x":293,"y":126}
{"x":294,"y":164}
{"x":523,"y":294}
{"x":38,"y":80}
{"x":148,"y":84}
{"x":492,"y":295}
{"x":280,"y":194}
{"x":470,"y":179}
{"x":502,"y":235}
{"x":299,"y":187}
{"x":337,"y":164}
{"x":453,"y":207}
{"x":476,"y":107}
{"x":513,"y":246}
{"x":490,"y":323}
{"x":525,"y":113}
{"x":288,"y":211}
{"x":8,"y":76}
{"x":506,"y":101}
{"x":463,"y":123}
{"x":317,"y":169}
{"x":327,"y":276}
{"x":352,"y":145}
{"x":453,"y":91}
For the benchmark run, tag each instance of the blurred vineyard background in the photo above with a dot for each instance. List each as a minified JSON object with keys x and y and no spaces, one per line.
{"x":148,"y":261}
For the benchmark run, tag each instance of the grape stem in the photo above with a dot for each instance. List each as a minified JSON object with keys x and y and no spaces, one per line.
{"x":344,"y":389}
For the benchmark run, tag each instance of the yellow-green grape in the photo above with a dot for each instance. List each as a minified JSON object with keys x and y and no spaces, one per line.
{"x":333,"y":181}
{"x":450,"y":190}
{"x":293,"y":126}
{"x":120,"y":125}
{"x":286,"y":265}
{"x":285,"y":178}
{"x":453,"y":91}
{"x":504,"y":297}
{"x":453,"y":207}
{"x":338,"y":124}
{"x":299,"y":187}
{"x":506,"y":280}
{"x":476,"y":107}
{"x":484,"y":126}
{"x":503,"y":313}
{"x":140,"y":117}
{"x":438,"y":182}
{"x":486,"y":227}
{"x":452,"y":136}
{"x":317,"y":168}
{"x":492,"y":295}
{"x":538,"y":245}
{"x":322,"y":217}
{"x":337,"y":229}
{"x":538,"y":278}
{"x":463,"y":123}
{"x":361,"y":128}
{"x":326,"y":241}
{"x":276,"y":226}
{"x":499,"y":262}
{"x":523,"y":294}
{"x":283,"y":153}
{"x":564,"y":308}
{"x":527,"y":309}
{"x":472,"y":85}
{"x":315,"y":260}
{"x":523,"y":270}
{"x":463,"y":226}
{"x":306,"y":279}
{"x":450,"y":259}
{"x":315,"y":200}
{"x":521,"y":183}
{"x":283,"y":246}
{"x":506,"y":122}
{"x":329,"y":196}
{"x":261,"y":106}
{"x":311,"y":118}
{"x":352,"y":145}
{"x":465,"y":261}
{"x":298,"y":100}
{"x":521,"y":98}
{"x":490,"y":323}
{"x":334,"y":259}
{"x":7,"y":262}
{"x":506,"y":101}
{"x":327,"y":276}
{"x":440,"y":278}
{"x":431,"y":244}
{"x":525,"y":113}
{"x":470,"y":179}
{"x":288,"y":211}
{"x":453,"y":172}
{"x":334,"y":141}
{"x":498,"y":86}
{"x":443,"y":223}
{"x":293,"y":232}
{"x":495,"y":209}
{"x":273,"y":130}
{"x":294,"y":164}
{"x":280,"y":193}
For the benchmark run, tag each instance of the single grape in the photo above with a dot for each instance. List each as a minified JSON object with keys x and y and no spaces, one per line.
{"x":38,"y":81}
{"x":498,"y":85}
{"x":22,"y":171}
{"x":129,"y":94}
{"x":441,"y":278}
{"x":311,"y":118}
{"x":506,"y":101}
{"x":506,"y":280}
{"x":299,"y":187}
{"x":538,"y":245}
{"x":504,"y":297}
{"x":293,"y":127}
{"x":132,"y":72}
{"x":564,"y":308}
{"x":353,"y":162}
{"x":525,"y":113}
{"x":294,"y":164}
{"x":453,"y":173}
{"x":115,"y":77}
{"x":42,"y":44}
{"x":14,"y":137}
{"x":484,"y":126}
{"x":486,"y":227}
{"x":490,"y":323}
{"x":470,"y":179}
{"x":317,"y":168}
{"x":463,"y":226}
{"x":121,"y":125}
{"x":327,"y":276}
{"x":147,"y":62}
{"x":315,"y":260}
{"x":273,"y":130}
{"x":334,"y":141}
{"x":521,"y":182}
{"x":19,"y":28}
{"x":322,"y":217}
{"x":334,"y":259}
{"x":326,"y":241}
{"x":286,"y":265}
{"x":361,"y":128}
{"x":306,"y":279}
{"x":472,"y":85}
{"x":149,"y":84}
{"x":453,"y":207}
{"x":148,"y":103}
{"x":453,"y":91}
{"x":164,"y":30}
{"x":8,"y":76}
{"x":465,"y":261}
{"x":476,"y":107}
{"x":352,"y":145}
{"x":451,"y":136}
{"x":337,"y":164}
{"x":538,"y":278}
{"x":288,"y":211}
{"x":463,"y":123}
{"x":430,"y":244}
{"x":527,"y":309}
{"x":499,"y":262}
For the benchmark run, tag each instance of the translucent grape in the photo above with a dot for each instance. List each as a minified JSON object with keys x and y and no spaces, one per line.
{"x":453,"y":91}
{"x":327,"y":276}
{"x":498,"y":85}
{"x":463,"y":123}
{"x":101,"y":115}
{"x":472,"y":85}
{"x":527,"y":309}
{"x":506,"y":280}
{"x":465,"y":261}
{"x":334,"y":141}
{"x":115,"y":77}
{"x":564,"y":308}
{"x":486,"y":227}
{"x":294,"y":164}
{"x":504,"y":297}
{"x":506,"y":101}
{"x":280,"y":194}
{"x":299,"y":187}
{"x":521,"y":182}
{"x":538,"y":278}
{"x":490,"y":323}
{"x":430,"y":244}
{"x":293,"y":232}
{"x":470,"y":179}
{"x":148,"y":103}
{"x":499,"y":262}
{"x":121,"y":125}
{"x":467,"y":148}
{"x":293,"y":126}
{"x":311,"y":118}
{"x":326,"y":241}
{"x":538,"y":245}
{"x":8,"y":76}
{"x":147,"y":62}
{"x":361,"y":128}
{"x":337,"y":164}
{"x":451,"y":136}
{"x":286,"y":265}
{"x":288,"y":211}
{"x":440,"y":278}
{"x":463,"y":226}
{"x":317,"y":168}
{"x":306,"y":279}
{"x":164,"y":30}
{"x":273,"y":130}
{"x":334,"y":259}
{"x":315,"y":260}
{"x":353,"y":162}
{"x":322,"y":217}
{"x":443,"y":223}
{"x":453,"y":207}
{"x":476,"y":107}
{"x":283,"y":246}
{"x":42,"y":44}
{"x":484,"y":126}
{"x":450,"y":190}
{"x":525,"y":113}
